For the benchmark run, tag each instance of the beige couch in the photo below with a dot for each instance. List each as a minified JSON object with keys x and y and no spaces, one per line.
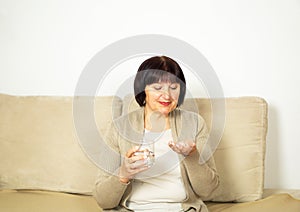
{"x":44,"y":168}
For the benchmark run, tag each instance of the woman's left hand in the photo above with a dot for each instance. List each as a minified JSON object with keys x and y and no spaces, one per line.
{"x":184,"y":148}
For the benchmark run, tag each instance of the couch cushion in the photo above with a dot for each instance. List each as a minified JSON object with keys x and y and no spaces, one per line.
{"x":43,"y":201}
{"x":39,"y":143}
{"x":36,"y":201}
{"x":274,"y":203}
{"x":293,"y":192}
{"x":240,"y":154}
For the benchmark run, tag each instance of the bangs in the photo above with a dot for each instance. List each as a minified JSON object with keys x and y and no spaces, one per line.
{"x":157,"y":76}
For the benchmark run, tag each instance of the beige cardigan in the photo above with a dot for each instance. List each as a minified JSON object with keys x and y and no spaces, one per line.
{"x":127,"y":131}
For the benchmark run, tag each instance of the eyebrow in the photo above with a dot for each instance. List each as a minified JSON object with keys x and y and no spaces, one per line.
{"x":165,"y":83}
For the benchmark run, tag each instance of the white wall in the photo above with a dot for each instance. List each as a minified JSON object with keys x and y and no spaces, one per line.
{"x":253,"y":47}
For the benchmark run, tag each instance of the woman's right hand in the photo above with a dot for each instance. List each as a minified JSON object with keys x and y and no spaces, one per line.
{"x":132,"y":165}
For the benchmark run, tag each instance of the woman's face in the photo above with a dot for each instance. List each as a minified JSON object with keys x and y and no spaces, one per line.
{"x":162,"y":97}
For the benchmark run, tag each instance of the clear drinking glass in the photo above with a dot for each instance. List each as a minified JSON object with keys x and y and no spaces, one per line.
{"x":147,"y":150}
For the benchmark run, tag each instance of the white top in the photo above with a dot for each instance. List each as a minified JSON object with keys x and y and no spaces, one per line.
{"x":160,"y":188}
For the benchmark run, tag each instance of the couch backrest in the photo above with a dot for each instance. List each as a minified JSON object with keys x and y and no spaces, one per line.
{"x":40,"y":143}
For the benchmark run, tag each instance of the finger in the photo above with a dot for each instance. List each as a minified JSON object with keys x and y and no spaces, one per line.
{"x":144,"y":168}
{"x":129,"y":160}
{"x":175,"y":149}
{"x":135,"y":160}
{"x":189,"y":148}
{"x":180,"y":146}
{"x":194,"y":146}
{"x":131,"y":151}
{"x":141,"y":164}
{"x":172,"y":145}
{"x":140,"y":168}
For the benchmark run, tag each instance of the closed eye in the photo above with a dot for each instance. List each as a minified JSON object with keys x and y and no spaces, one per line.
{"x":157,"y":88}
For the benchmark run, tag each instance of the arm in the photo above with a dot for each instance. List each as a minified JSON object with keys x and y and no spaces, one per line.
{"x":115,"y":173}
{"x":203,"y":177}
{"x":108,"y":189}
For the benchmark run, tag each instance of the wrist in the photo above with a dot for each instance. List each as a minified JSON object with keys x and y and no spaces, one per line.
{"x":189,"y":153}
{"x":124,"y":180}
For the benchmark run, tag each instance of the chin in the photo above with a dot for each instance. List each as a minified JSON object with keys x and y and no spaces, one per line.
{"x":165,"y":112}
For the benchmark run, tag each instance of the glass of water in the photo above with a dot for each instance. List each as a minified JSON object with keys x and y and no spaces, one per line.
{"x":147,"y":150}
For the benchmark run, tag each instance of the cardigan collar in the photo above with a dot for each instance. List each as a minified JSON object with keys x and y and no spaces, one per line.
{"x":135,"y":120}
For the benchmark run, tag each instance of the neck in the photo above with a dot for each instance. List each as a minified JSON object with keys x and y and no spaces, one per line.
{"x":156,"y":121}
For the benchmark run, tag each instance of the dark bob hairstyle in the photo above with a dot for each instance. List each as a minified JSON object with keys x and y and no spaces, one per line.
{"x":158,"y":69}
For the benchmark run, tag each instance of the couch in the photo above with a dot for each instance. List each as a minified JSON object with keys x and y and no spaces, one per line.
{"x":44,"y":165}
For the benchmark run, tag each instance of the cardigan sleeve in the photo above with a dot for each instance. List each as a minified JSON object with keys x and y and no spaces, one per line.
{"x":108,"y":190}
{"x":203,"y":177}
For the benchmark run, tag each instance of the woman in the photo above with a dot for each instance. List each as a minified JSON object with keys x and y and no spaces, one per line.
{"x":176,"y":181}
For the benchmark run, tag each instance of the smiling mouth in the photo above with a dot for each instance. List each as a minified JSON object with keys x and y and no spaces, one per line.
{"x":165,"y":103}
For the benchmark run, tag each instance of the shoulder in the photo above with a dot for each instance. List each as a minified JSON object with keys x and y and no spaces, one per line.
{"x":189,"y":116}
{"x":190,"y":122}
{"x":131,"y":125}
{"x":132,"y":116}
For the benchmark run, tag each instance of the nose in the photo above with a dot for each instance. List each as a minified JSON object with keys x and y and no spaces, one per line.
{"x":166,"y":93}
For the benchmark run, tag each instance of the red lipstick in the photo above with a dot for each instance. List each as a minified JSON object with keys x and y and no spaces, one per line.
{"x":165,"y":103}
